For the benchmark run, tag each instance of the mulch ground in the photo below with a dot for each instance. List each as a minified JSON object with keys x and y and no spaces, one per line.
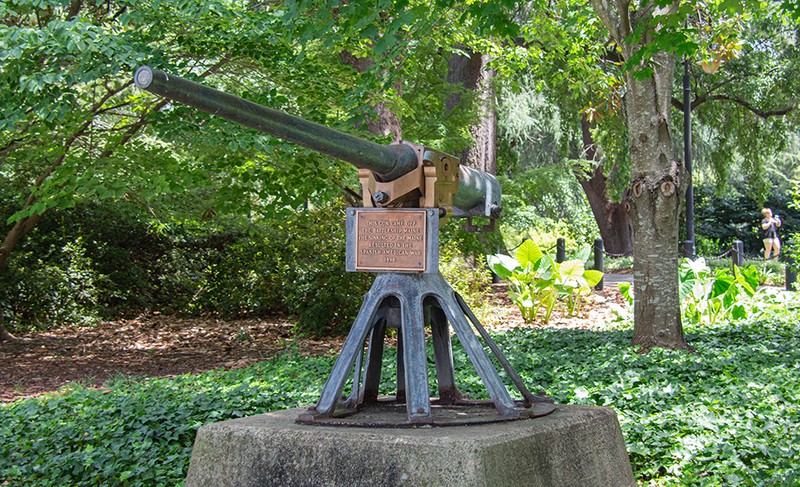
{"x":164,"y":346}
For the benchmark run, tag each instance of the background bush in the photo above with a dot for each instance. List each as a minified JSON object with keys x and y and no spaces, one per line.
{"x":106,"y":261}
{"x":721,"y":219}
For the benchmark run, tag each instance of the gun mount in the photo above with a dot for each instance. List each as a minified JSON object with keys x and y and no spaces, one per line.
{"x":407,"y":189}
{"x":403,"y":175}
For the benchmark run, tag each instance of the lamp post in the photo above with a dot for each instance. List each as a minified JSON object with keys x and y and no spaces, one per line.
{"x":689,"y":243}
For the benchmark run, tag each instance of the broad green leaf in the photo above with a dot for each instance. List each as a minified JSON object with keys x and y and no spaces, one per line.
{"x":503,"y":265}
{"x":584,"y":253}
{"x":528,"y":253}
{"x":571,"y":270}
{"x":593,"y":278}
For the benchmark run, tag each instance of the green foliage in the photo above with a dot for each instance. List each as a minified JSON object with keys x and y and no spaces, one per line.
{"x":61,"y":290}
{"x":769,"y":272}
{"x":140,"y":433}
{"x":111,"y":260}
{"x":538,"y":282}
{"x":725,"y":217}
{"x":469,"y":278}
{"x":741,"y":142}
{"x":316,"y":287}
{"x":710,"y":296}
{"x":726,"y":415}
{"x":293,"y":264}
{"x":613,"y":264}
{"x":548,"y":202}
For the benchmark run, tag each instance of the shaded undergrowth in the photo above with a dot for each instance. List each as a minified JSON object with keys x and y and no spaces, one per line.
{"x":727,"y":415}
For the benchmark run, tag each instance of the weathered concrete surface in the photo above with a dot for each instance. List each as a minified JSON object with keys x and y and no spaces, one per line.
{"x":575,"y":446}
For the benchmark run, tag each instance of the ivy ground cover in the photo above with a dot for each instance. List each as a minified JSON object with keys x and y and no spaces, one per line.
{"x":727,"y":415}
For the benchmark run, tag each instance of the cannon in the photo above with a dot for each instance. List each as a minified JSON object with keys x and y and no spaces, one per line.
{"x":407,"y":190}
{"x":399,"y":175}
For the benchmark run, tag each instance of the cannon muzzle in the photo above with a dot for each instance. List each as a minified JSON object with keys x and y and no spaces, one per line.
{"x":471,"y":192}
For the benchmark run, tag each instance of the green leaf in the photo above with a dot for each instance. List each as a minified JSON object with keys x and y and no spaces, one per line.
{"x":528,"y":253}
{"x":593,"y":278}
{"x":584,"y":253}
{"x":503,"y":265}
{"x":571,"y":270}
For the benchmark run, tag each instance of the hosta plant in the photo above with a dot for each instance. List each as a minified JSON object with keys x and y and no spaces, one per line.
{"x":537,"y":282}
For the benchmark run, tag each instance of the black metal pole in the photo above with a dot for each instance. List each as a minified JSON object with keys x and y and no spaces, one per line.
{"x":737,"y":253}
{"x":561,"y":250}
{"x":688,"y":245}
{"x":599,"y":260}
{"x":790,"y":270}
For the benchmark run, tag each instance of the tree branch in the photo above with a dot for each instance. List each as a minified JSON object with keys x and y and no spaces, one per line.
{"x":757,"y":111}
{"x":610,"y":18}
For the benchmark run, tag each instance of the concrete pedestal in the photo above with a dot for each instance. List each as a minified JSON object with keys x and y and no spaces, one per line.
{"x":574,"y":446}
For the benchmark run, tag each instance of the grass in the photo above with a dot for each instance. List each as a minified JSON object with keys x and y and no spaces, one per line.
{"x":727,"y":415}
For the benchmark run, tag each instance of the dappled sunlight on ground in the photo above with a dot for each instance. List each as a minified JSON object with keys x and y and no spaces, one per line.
{"x":164,"y":346}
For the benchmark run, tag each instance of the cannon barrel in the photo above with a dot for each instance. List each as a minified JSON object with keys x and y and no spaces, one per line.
{"x":388,"y":162}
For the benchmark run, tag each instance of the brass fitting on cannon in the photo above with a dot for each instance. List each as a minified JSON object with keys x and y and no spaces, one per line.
{"x":431,"y":184}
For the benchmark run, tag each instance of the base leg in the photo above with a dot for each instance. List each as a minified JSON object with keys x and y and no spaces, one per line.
{"x":443,"y":353}
{"x":491,"y":379}
{"x":418,"y":404}
{"x":400,"y":395}
{"x":353,"y":346}
{"x":372,"y":379}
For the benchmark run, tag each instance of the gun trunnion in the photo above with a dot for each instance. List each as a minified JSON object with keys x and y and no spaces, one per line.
{"x":402,"y":175}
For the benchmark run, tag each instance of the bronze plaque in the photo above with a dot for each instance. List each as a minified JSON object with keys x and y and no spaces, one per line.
{"x":390,"y":240}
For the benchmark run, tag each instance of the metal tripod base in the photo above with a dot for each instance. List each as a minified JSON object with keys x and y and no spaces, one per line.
{"x":410,"y":302}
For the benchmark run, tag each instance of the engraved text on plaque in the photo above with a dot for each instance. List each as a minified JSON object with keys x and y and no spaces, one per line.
{"x":390,"y":240}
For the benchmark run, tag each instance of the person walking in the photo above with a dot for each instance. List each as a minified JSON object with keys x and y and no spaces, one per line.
{"x":770,"y":226}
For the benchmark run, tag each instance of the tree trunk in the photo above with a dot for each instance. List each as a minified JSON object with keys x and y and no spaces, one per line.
{"x":611,"y":217}
{"x":657,"y":189}
{"x":385,"y":122}
{"x":655,"y":202}
{"x":5,"y":336}
{"x":474,"y":73}
{"x":13,"y":237}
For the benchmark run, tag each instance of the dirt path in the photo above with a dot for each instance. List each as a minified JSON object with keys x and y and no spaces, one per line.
{"x":163,"y":346}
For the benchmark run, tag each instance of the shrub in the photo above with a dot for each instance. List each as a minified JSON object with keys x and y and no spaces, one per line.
{"x":711,"y":296}
{"x":293,"y":263}
{"x":316,"y":287}
{"x":107,"y":261}
{"x":729,"y":217}
{"x":538,"y":282}
{"x":40,"y":292}
{"x":769,"y":272}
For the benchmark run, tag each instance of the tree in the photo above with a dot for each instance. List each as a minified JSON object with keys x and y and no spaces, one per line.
{"x":657,"y":177}
{"x":73,"y":130}
{"x":626,"y":88}
{"x":566,"y":58}
{"x":473,"y":71}
{"x":745,"y":98}
{"x":649,"y":36}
